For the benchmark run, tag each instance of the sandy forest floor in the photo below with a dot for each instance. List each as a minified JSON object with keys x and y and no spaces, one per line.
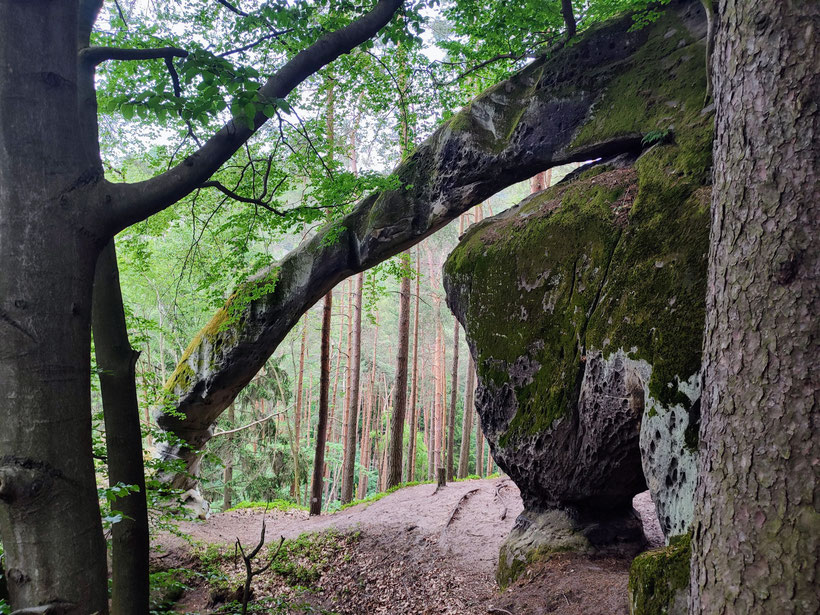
{"x":414,"y":551}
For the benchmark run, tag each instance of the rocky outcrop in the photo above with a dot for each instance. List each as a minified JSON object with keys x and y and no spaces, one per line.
{"x":584,"y":310}
{"x":553,"y":111}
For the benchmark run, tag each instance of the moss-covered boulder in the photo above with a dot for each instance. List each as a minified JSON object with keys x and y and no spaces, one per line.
{"x":659,"y":579}
{"x":584,"y":304}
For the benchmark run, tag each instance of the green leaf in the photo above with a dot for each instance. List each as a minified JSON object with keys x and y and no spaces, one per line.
{"x":128,"y":111}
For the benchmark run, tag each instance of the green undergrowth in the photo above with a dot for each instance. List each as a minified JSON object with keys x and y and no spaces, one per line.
{"x":283,"y":505}
{"x":659,"y":579}
{"x":302,"y":561}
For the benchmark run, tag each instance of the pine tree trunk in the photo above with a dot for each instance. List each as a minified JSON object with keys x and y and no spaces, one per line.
{"x":365,"y":454}
{"x":123,"y":438}
{"x":321,"y":429}
{"x":349,"y":464}
{"x":396,"y":447}
{"x":297,"y":414}
{"x":451,"y":418}
{"x":756,"y":543}
{"x":467,"y":421}
{"x":410,"y":474}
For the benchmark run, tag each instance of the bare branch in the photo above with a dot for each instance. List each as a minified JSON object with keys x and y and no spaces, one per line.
{"x":276,"y":34}
{"x":232,"y":8}
{"x":244,"y":199}
{"x":98,"y":55}
{"x":262,"y":420}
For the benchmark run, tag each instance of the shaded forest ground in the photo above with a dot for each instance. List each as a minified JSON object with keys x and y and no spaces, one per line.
{"x":413,"y":551}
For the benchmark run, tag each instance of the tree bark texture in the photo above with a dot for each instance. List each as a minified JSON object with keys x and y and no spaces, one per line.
{"x":57,"y":212}
{"x":321,"y":429}
{"x":396,"y":448}
{"x":757,"y":529}
{"x":49,"y":514}
{"x":116,"y":361}
{"x":349,"y":462}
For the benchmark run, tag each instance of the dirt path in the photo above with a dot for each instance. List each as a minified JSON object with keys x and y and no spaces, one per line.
{"x":423,"y":551}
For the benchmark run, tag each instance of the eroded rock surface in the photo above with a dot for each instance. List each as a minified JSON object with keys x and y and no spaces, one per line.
{"x":584,"y":311}
{"x":600,"y":95}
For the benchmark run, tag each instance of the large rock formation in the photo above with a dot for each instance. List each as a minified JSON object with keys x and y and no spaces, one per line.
{"x":556,"y":110}
{"x":584,"y":311}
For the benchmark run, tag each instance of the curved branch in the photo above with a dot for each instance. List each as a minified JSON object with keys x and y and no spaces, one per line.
{"x":135,"y":202}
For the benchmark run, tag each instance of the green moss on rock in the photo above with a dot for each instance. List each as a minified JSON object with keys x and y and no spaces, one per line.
{"x":659,"y":579}
{"x":664,"y":87}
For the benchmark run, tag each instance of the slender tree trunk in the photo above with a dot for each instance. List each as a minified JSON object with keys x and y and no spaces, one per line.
{"x":297,"y":415}
{"x":321,"y":429}
{"x":346,"y":413}
{"x":756,"y":542}
{"x":228,"y":474}
{"x":467,"y":421}
{"x":569,"y":17}
{"x":451,"y":418}
{"x":479,"y":448}
{"x":365,"y":455}
{"x":349,"y":465}
{"x":397,"y":419}
{"x":414,"y":386}
{"x":116,"y":361}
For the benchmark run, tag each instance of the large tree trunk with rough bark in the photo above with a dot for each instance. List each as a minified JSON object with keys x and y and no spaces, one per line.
{"x":756,"y":538}
{"x":116,"y":362}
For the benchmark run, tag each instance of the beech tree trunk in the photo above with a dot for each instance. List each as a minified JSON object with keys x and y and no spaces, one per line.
{"x":349,"y":463}
{"x":756,"y":540}
{"x":397,"y":419}
{"x":467,"y":421}
{"x":321,"y":429}
{"x":49,"y":241}
{"x":116,"y":361}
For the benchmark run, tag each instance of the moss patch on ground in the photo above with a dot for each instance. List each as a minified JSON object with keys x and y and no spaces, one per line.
{"x":657,"y":578}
